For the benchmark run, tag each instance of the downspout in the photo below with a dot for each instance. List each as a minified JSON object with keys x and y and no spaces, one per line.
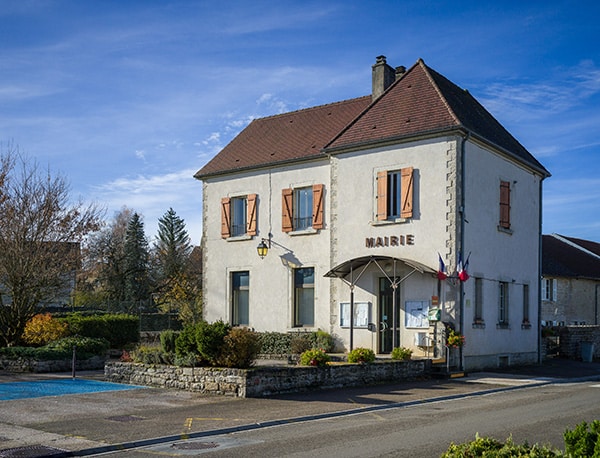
{"x":539,"y":275}
{"x":462,"y":238}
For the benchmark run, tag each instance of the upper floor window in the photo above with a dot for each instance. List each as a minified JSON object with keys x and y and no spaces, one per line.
{"x":395,"y":194}
{"x":238,"y":216}
{"x":504,"y":205}
{"x":302,"y":208}
{"x":548,"y":289}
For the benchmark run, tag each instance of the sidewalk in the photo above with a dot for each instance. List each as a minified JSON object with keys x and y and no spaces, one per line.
{"x":107,"y":419}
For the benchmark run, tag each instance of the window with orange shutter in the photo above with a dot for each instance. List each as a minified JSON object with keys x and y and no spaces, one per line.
{"x":505,"y":204}
{"x":302,"y":208}
{"x":394,"y":194}
{"x":239,"y":216}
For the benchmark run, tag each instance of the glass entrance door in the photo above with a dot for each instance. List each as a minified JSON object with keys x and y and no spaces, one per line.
{"x":386,"y":314}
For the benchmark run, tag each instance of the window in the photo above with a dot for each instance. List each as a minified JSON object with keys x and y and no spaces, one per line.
{"x":240,"y":304}
{"x":238,"y":216}
{"x":478,"y":313}
{"x":503,"y":304}
{"x":505,"y":205}
{"x":549,"y":289}
{"x":302,"y":208}
{"x":525,"y":304}
{"x":304,"y":296}
{"x":395,"y":194}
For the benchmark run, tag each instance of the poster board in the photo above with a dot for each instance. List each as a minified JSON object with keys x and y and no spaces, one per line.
{"x":416,"y":314}
{"x":362,"y":314}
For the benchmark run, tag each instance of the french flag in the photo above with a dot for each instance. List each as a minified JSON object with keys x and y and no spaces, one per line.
{"x":462,"y":268}
{"x":441,"y":275}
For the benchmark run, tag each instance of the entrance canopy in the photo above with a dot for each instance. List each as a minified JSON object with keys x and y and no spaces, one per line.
{"x":388,"y":265}
{"x":383,"y":262}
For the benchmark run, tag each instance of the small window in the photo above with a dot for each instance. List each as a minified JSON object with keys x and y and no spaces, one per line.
{"x":503,"y":304}
{"x":240,"y":299}
{"x":525,"y":304}
{"x":302,"y":208}
{"x":304,"y":297}
{"x":549,"y":289}
{"x":505,"y":205}
{"x":395,"y":194}
{"x":478,"y":313}
{"x":238,"y":216}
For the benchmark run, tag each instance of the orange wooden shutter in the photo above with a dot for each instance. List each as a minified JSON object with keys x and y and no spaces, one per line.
{"x":317,"y":222}
{"x":287,"y":209}
{"x":382,"y":195}
{"x":251,"y":214}
{"x":225,"y":217}
{"x":406,"y":184}
{"x":505,"y":204}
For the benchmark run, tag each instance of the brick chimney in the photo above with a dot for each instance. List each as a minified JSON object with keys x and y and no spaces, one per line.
{"x":383,"y":77}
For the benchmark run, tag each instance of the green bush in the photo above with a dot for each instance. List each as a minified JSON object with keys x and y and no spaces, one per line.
{"x":300,"y":343}
{"x":210,"y":338}
{"x":59,"y":349}
{"x":83,"y":345}
{"x":275,"y":343}
{"x":151,"y":355}
{"x":361,"y":355}
{"x":322,"y":339}
{"x":240,"y":348}
{"x":583,"y":440}
{"x":314,"y":357}
{"x":119,"y":329}
{"x":401,"y":354}
{"x":167,"y":340}
{"x":185,"y":342}
{"x":492,"y":448}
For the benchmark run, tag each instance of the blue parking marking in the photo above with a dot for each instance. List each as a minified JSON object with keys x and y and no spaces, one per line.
{"x":41,"y":388}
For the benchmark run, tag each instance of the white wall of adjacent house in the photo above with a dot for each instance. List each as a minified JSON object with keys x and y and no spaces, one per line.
{"x":271,"y":294}
{"x":499,"y":255}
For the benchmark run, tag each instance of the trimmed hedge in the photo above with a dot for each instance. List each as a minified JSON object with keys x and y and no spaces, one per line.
{"x":86,"y":347}
{"x":119,"y":329}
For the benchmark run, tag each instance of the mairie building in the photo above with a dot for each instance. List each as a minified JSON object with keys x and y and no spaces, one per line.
{"x":386,"y":220}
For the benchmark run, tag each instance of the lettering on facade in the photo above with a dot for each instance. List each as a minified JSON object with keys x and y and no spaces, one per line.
{"x":387,"y":241}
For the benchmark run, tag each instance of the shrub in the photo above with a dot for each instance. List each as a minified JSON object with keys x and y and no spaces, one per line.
{"x":119,"y":329}
{"x":210,"y":338}
{"x":583,"y":440}
{"x":150,"y":355}
{"x":275,"y":343}
{"x":85,"y":346}
{"x":401,"y":354}
{"x":489,"y":447}
{"x":314,"y":357}
{"x":185,"y":342}
{"x":361,"y":355}
{"x":322,"y":339}
{"x":42,"y":328}
{"x":300,"y":343}
{"x":167,"y":340}
{"x":240,"y":348}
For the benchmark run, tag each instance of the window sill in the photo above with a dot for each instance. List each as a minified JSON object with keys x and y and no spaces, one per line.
{"x":478,"y":325}
{"x":309,"y":231}
{"x":502,"y":326}
{"x":525,"y":325}
{"x":387,"y":222}
{"x":239,"y":238}
{"x":505,"y":230}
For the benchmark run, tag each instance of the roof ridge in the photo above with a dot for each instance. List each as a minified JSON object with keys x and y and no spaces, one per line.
{"x":427,"y":71}
{"x":316,"y":107}
{"x":569,"y":242}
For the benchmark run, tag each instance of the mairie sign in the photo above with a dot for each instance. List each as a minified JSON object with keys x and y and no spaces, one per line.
{"x":392,"y":240}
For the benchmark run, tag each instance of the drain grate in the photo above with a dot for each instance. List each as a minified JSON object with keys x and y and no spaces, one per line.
{"x":31,"y":451}
{"x":194,"y":445}
{"x":125,"y":418}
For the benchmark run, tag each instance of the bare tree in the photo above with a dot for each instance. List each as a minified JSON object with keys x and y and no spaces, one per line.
{"x":40,"y":232}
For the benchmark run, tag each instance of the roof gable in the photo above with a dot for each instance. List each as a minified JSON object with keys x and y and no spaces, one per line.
{"x":421,"y":102}
{"x":286,"y":137}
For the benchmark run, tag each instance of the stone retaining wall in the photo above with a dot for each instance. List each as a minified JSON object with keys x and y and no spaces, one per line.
{"x":571,"y":338}
{"x":62,"y":365}
{"x":264,"y":381}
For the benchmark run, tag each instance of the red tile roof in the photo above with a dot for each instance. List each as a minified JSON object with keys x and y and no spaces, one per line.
{"x":421,"y":102}
{"x":282,"y":138}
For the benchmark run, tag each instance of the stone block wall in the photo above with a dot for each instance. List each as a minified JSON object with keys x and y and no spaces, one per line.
{"x":571,"y":338}
{"x":62,"y":365}
{"x":264,"y":381}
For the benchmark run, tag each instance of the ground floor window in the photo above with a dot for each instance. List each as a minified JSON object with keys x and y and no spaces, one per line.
{"x":478,"y":314}
{"x":240,"y":304}
{"x":503,"y":304}
{"x":304,"y":296}
{"x":525,"y":304}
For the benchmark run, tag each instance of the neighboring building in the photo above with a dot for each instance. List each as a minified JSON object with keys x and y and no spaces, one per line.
{"x":570,"y":281}
{"x":356,"y":199}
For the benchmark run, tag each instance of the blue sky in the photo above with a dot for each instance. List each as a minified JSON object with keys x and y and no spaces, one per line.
{"x":128,"y":99}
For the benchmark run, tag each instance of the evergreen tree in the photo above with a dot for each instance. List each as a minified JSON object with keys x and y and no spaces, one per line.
{"x":136,"y":262}
{"x":172,"y":247}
